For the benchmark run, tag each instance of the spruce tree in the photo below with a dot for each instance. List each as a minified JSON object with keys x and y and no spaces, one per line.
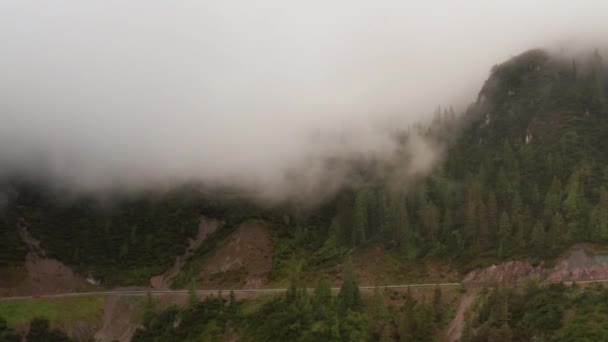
{"x":192,"y":296}
{"x":323,"y":292}
{"x":538,"y":237}
{"x":504,"y":233}
{"x":349,"y":297}
{"x":438,"y":305}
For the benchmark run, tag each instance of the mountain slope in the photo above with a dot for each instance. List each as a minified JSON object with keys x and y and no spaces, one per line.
{"x":525,"y":175}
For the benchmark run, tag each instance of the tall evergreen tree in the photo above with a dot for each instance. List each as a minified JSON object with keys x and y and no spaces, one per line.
{"x":192,"y":296}
{"x":504,"y":234}
{"x":323,"y":292}
{"x":349,"y":297}
{"x":438,"y":304}
{"x":538,"y":237}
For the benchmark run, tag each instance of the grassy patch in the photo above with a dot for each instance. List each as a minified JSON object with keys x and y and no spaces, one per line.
{"x":19,"y":312}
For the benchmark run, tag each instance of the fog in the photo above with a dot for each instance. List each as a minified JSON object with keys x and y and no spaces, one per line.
{"x":136,"y":94}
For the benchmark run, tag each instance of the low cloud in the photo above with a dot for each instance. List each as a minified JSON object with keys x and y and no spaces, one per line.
{"x":253,"y":95}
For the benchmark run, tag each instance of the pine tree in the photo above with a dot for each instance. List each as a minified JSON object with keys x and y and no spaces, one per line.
{"x":233,"y":308}
{"x":538,"y":236}
{"x":432,"y":219}
{"x":349,"y":297}
{"x":401,"y":225}
{"x":323,"y":292}
{"x":192,"y":296}
{"x":602,"y":214}
{"x":484,"y":236}
{"x":362,"y":204}
{"x":535,"y":196}
{"x":447,"y":224}
{"x":553,"y":198}
{"x":7,"y":334}
{"x":504,"y":233}
{"x":492,"y":210}
{"x":40,"y":331}
{"x":470,"y":229}
{"x":572,"y":201}
{"x":344,"y":221}
{"x":438,"y":305}
{"x":598,"y":85}
{"x":558,"y":227}
{"x":503,"y":186}
{"x":294,"y":281}
{"x":149,"y":307}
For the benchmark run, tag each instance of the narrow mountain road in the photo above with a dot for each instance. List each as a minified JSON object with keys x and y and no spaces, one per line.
{"x":252,"y":291}
{"x":203,"y":292}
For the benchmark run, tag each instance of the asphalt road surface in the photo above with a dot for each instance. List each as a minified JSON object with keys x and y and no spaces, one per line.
{"x":201,"y":292}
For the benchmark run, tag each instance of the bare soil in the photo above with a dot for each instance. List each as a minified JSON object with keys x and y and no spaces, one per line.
{"x":120,"y":319}
{"x":376,"y":266}
{"x":244,"y":259}
{"x":454,"y":330}
{"x":43,"y":275}
{"x":205,"y":228}
{"x":577,"y":265}
{"x":82,"y":329}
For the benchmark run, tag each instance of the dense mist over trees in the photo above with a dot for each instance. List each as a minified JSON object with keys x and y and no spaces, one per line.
{"x":254,"y":96}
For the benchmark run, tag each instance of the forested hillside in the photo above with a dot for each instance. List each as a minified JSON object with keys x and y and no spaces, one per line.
{"x":525,"y":174}
{"x":552,"y":313}
{"x":527,"y":177}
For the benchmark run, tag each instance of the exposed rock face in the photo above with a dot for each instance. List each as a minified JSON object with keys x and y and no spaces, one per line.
{"x":510,"y":272}
{"x":578,"y":266}
{"x":205,"y":228}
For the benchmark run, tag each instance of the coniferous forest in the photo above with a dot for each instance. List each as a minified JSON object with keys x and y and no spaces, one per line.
{"x":523,"y":175}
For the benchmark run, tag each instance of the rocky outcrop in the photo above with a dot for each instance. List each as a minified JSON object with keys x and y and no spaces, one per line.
{"x":577,"y":266}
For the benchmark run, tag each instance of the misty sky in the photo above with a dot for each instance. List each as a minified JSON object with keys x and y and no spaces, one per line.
{"x":141,"y":92}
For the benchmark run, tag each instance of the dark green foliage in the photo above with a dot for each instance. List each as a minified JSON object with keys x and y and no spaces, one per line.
{"x":322,"y":295}
{"x":125,"y":243}
{"x":538,"y":313}
{"x":149,"y":309}
{"x":589,"y":321}
{"x":300,"y":317}
{"x":349,"y":297}
{"x":206,"y":321}
{"x":416,"y":321}
{"x":438,"y":304}
{"x":122,"y":239}
{"x":524,"y":178}
{"x":193,"y":299}
{"x":41,"y":332}
{"x":12,"y":250}
{"x":530,"y":169}
{"x":525,"y":175}
{"x":7,"y":334}
{"x":295,"y":316}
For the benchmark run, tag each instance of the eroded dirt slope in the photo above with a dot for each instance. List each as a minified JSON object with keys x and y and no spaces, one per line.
{"x":120,"y":319}
{"x":456,"y":326}
{"x":244,"y":259}
{"x":576,"y":266}
{"x":206,"y":227}
{"x":44,"y":275}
